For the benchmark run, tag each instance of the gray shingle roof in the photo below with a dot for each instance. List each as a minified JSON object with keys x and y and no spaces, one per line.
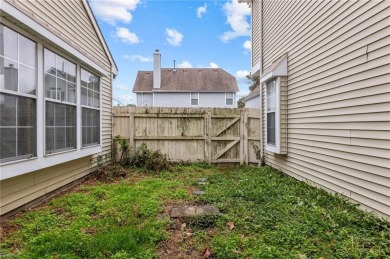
{"x":187,"y":80}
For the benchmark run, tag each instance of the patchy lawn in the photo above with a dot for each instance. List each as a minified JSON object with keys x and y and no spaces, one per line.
{"x":265,"y":214}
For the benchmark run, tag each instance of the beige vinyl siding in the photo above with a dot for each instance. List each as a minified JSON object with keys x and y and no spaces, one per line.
{"x":256,"y":32}
{"x":17,"y":191}
{"x":338,"y":94}
{"x":70,"y":21}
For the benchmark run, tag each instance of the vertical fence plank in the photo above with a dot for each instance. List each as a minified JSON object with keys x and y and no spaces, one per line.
{"x":207,"y":136}
{"x":245,"y":137}
{"x":131,"y":129}
{"x":241,"y":132}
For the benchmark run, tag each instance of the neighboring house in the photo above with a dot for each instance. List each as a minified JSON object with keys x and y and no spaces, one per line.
{"x":252,"y":100}
{"x":185,"y":87}
{"x":325,"y":86}
{"x":55,"y":98}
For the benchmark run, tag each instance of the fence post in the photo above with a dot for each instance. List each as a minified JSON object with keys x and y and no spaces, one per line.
{"x":242,"y":137}
{"x":207,"y":137}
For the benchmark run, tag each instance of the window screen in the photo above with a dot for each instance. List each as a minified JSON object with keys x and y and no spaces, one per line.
{"x":17,"y":127}
{"x":60,"y":127}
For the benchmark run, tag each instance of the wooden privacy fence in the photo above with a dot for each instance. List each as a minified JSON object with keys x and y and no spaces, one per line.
{"x":214,"y":135}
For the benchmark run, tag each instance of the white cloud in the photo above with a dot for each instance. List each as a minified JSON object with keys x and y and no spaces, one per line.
{"x":236,"y":16}
{"x":241,"y":76}
{"x":113,"y":11}
{"x":140,"y":58}
{"x":213,"y":65}
{"x":121,"y":87}
{"x":184,"y":64}
{"x":243,"y":93}
{"x":174,"y":37}
{"x":201,"y":10}
{"x":126,"y":36}
{"x":247,"y":45}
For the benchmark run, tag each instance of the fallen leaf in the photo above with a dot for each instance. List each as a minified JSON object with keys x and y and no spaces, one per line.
{"x":230,"y":225}
{"x":183,"y":226}
{"x":206,"y":253}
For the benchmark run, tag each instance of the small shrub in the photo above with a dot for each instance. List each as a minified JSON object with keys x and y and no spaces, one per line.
{"x":141,"y":157}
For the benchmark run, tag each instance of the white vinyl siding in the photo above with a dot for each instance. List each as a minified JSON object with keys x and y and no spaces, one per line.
{"x":337,"y":94}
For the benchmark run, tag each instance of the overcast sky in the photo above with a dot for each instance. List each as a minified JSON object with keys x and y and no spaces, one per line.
{"x":194,"y":33}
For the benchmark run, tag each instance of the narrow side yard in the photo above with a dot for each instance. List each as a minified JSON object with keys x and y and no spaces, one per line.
{"x":264,"y":214}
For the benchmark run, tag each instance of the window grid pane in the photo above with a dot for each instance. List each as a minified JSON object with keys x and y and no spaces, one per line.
{"x":17,"y":127}
{"x":18,"y":56}
{"x":90,"y":89}
{"x":60,"y":76}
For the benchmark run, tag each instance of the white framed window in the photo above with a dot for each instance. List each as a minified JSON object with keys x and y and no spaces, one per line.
{"x":194,"y":99}
{"x":229,"y":98}
{"x":90,"y":103}
{"x":18,"y":83}
{"x":272,"y":104}
{"x":60,"y":103}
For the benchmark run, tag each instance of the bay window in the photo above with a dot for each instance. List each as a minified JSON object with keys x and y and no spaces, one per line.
{"x":18,"y":82}
{"x":48,"y":105}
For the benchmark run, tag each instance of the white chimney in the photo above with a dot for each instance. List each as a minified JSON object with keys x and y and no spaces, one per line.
{"x":157,"y":69}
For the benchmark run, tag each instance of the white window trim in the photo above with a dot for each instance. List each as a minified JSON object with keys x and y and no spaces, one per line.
{"x":275,"y":149}
{"x":19,"y":167}
{"x":191,"y":98}
{"x":232,"y":99}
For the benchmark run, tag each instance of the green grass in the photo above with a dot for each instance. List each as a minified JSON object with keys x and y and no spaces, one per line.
{"x":274,"y":216}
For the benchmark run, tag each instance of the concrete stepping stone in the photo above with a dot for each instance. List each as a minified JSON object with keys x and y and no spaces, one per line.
{"x":194,"y":211}
{"x":202,"y":179}
{"x":202,"y":183}
{"x":197,"y":192}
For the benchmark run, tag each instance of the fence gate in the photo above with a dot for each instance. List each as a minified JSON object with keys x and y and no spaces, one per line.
{"x":213,"y":135}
